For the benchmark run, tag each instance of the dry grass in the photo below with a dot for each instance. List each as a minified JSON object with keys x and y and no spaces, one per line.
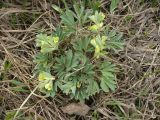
{"x":138,"y":93}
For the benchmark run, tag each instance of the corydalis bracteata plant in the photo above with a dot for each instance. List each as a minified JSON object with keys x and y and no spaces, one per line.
{"x":72,"y":59}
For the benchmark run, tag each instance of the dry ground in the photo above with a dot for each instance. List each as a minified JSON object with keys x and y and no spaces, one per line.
{"x":138,"y":94}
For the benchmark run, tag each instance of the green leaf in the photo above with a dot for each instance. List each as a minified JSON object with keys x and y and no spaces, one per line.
{"x":104,"y":86}
{"x":94,"y":4}
{"x":47,"y":43}
{"x":7,"y":65}
{"x":108,"y":76}
{"x":97,"y":18}
{"x":18,"y":86}
{"x":68,"y":18}
{"x":69,"y":57}
{"x":82,"y":45}
{"x":81,"y":14}
{"x":40,"y":58}
{"x":65,"y":4}
{"x":74,"y":73}
{"x":114,"y":4}
{"x":58,"y":9}
{"x":92,"y":88}
{"x":85,"y":16}
{"x":79,"y":10}
{"x":20,"y":89}
{"x":110,"y":85}
{"x":10,"y":115}
{"x":68,"y":87}
{"x":2,"y":76}
{"x":16,"y":82}
{"x":114,"y":41}
{"x":73,"y":88}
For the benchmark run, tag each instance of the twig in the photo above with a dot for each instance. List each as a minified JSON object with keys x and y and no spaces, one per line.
{"x":25,"y":102}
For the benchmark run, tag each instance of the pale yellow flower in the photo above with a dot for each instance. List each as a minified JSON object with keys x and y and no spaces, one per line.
{"x":48,"y":86}
{"x":96,"y":27}
{"x":56,"y":39}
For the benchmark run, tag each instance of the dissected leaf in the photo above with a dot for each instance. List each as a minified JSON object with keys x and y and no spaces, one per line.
{"x":82,"y":45}
{"x":114,"y":40}
{"x":68,"y":18}
{"x":68,"y":69}
{"x":104,"y":86}
{"x":40,"y":58}
{"x":81,"y":14}
{"x":92,"y":88}
{"x":108,"y":76}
